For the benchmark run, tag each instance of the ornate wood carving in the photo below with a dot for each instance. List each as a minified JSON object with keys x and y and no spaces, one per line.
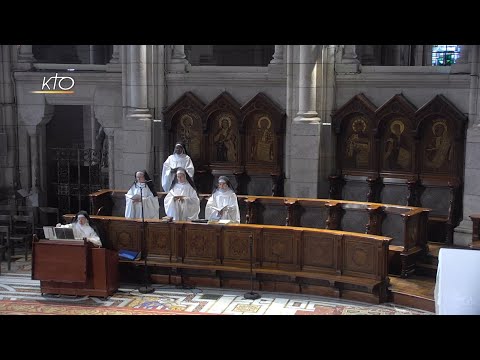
{"x":291,"y":218}
{"x":420,"y":149}
{"x":374,"y":188}
{"x":335,"y":213}
{"x":336,"y":184}
{"x":375,"y":217}
{"x":226,"y":139}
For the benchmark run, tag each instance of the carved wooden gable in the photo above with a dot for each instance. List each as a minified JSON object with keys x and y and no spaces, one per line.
{"x":396,"y":132}
{"x":184,"y":119}
{"x":223,"y":138}
{"x":223,"y":116}
{"x":442,"y":131}
{"x":263,"y":121}
{"x":355,"y":124}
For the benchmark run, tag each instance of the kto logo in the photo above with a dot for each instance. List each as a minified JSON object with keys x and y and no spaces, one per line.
{"x":56,"y":85}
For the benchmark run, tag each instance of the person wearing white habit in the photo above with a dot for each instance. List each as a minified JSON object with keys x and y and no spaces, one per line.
{"x":182,"y":202}
{"x":179,"y":159}
{"x":83,"y":228}
{"x":223,"y":204}
{"x":142,"y":190}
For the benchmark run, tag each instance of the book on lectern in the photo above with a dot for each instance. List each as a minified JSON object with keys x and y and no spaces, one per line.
{"x":129,"y":254}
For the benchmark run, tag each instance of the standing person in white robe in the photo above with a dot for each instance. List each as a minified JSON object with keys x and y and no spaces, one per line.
{"x":83,"y":228}
{"x":179,"y":159}
{"x":142,"y":190}
{"x":182,"y":202}
{"x":223,"y":204}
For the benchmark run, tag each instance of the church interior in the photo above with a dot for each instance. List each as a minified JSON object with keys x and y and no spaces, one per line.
{"x":353,"y":166}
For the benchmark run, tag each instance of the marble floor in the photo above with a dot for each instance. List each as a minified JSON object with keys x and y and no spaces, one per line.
{"x":17,"y":287}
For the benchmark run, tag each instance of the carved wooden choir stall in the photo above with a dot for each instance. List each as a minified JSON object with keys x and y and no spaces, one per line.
{"x":291,"y":259}
{"x":244,"y":143}
{"x":398,"y":154}
{"x":406,"y":225}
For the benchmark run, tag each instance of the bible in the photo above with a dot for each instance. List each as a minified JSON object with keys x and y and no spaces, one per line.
{"x":220,"y":209}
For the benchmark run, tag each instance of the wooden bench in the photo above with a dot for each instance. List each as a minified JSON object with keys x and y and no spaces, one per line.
{"x":406,"y":225}
{"x":285,"y":258}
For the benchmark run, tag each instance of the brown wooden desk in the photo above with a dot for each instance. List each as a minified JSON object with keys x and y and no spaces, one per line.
{"x":74,"y":268}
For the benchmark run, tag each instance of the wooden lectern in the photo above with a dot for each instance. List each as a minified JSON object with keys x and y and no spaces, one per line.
{"x":73,"y":267}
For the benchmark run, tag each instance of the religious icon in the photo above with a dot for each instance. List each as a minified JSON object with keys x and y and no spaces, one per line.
{"x":397,"y":155}
{"x":225,"y":139}
{"x":358,"y":143}
{"x":263,"y":145}
{"x":190,"y":136}
{"x":439,"y":148}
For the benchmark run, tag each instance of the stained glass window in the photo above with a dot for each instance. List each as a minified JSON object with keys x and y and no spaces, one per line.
{"x":445,"y":55}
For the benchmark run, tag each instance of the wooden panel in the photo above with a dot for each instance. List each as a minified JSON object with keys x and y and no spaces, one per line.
{"x":125,"y":235}
{"x":159,"y":238}
{"x":360,"y":257}
{"x":201,"y":244}
{"x":279,"y":249}
{"x":236,"y":247}
{"x":60,"y":261}
{"x":320,"y":251}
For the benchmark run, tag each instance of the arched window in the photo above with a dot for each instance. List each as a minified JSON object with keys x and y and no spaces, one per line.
{"x":445,"y":55}
{"x":229,"y":55}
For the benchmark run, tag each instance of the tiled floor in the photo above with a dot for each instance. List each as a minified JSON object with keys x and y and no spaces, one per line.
{"x":17,"y":285}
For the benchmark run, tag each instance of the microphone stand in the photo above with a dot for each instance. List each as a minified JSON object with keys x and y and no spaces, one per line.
{"x":145,"y":289}
{"x":251,"y":295}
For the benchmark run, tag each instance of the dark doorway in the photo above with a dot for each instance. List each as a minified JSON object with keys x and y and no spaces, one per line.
{"x":73,"y":170}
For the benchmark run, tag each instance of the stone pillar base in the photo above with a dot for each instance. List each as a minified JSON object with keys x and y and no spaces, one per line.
{"x":462,"y":234}
{"x":24,"y":66}
{"x":276,"y":68}
{"x":347,"y":68}
{"x":114,"y":67}
{"x":178,"y":67}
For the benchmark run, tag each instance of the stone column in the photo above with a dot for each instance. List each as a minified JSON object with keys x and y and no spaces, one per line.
{"x":307,"y":92}
{"x":349,"y":60}
{"x":178,"y":62}
{"x":471,"y":199}
{"x":462,"y":65}
{"x":115,"y":55}
{"x":109,"y":132}
{"x":114,"y":65}
{"x":278,"y":55}
{"x":137,"y":125}
{"x":25,"y":57}
{"x":368,"y":55}
{"x":137,"y":80}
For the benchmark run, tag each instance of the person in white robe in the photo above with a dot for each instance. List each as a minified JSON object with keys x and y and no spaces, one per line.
{"x":83,"y":228}
{"x":142,"y":191}
{"x":179,"y":159}
{"x":182,"y":202}
{"x":223,"y":204}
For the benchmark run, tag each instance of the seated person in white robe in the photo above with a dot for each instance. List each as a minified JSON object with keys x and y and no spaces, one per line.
{"x":179,"y":159}
{"x":182,"y":202}
{"x":223,"y":204}
{"x":83,"y":228}
{"x":142,"y":190}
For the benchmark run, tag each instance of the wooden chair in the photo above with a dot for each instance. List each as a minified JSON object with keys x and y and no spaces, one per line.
{"x":5,"y":245}
{"x":46,"y":216}
{"x":23,"y":230}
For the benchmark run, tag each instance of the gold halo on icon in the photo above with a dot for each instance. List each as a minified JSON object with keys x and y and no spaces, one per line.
{"x":400,"y":123}
{"x":264,"y":118}
{"x":224,"y":117}
{"x":186,"y":120}
{"x":361,"y":122}
{"x":437,"y":124}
